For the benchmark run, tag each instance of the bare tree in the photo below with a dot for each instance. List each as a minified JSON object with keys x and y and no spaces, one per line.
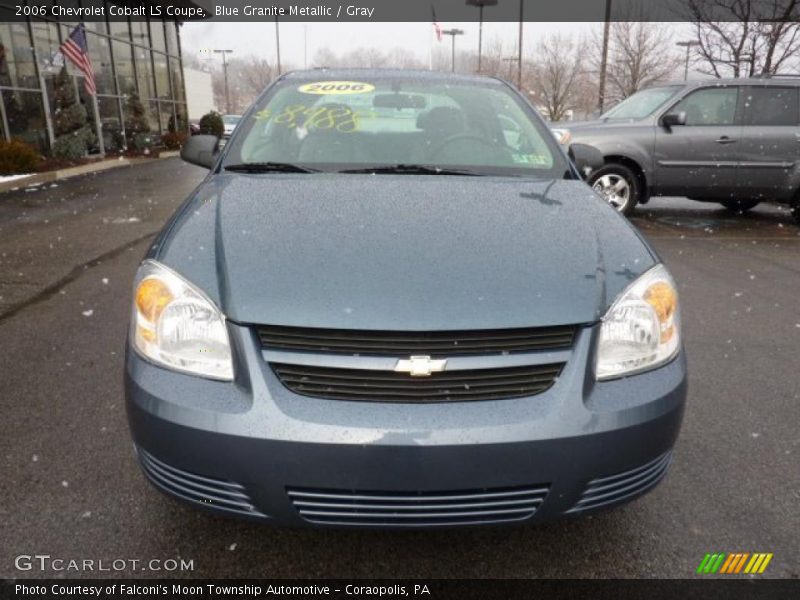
{"x":743,"y":38}
{"x":553,"y":76}
{"x":371,"y":58}
{"x":256,"y":74}
{"x":401,"y":58}
{"x":325,"y":57}
{"x":368,"y":57}
{"x":641,"y":56}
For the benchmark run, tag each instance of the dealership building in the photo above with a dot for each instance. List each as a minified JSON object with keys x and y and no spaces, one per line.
{"x":128,"y":57}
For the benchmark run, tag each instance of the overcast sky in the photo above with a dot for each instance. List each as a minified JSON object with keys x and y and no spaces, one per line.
{"x":259,"y":38}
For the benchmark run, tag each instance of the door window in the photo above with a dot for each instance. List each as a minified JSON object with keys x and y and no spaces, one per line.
{"x":772,"y":106}
{"x":710,"y":106}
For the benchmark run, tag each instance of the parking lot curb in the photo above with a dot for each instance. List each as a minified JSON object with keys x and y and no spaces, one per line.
{"x":96,"y":167}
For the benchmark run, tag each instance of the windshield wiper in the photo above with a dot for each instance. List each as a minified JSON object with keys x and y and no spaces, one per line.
{"x":270,"y":167}
{"x":411,"y":169}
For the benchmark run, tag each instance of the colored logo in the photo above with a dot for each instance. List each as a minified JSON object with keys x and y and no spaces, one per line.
{"x":733,"y":563}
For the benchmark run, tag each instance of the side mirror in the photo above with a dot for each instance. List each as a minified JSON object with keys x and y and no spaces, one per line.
{"x":673,"y":119}
{"x":587,"y":158}
{"x":201,"y":150}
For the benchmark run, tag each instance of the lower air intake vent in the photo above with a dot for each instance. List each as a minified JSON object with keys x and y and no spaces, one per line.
{"x":213,"y":493}
{"x":423,"y":509}
{"x":616,"y":488}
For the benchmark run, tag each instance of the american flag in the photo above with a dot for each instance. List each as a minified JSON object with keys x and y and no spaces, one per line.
{"x":436,"y":27}
{"x":76,"y":50}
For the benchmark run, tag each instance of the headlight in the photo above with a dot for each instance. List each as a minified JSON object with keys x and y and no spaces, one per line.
{"x":175,"y":325}
{"x":562,"y":135}
{"x":641,"y":330}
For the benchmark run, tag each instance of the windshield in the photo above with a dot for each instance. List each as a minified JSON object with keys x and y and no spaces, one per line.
{"x":473,"y":127}
{"x":231,"y":119}
{"x":642,"y":104}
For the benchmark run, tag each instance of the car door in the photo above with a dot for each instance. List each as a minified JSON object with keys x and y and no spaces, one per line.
{"x":770,"y":149}
{"x":700,"y":159}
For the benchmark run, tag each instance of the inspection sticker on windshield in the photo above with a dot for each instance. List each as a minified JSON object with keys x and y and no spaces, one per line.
{"x":532,"y":159}
{"x":336,"y":87}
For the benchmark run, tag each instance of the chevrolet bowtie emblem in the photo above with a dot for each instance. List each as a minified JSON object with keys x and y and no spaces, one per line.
{"x":420,"y":366}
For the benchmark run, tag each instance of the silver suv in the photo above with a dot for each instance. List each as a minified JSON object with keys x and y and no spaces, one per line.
{"x":732,"y":141}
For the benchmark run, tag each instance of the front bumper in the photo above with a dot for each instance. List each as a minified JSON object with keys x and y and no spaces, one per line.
{"x":253,"y":449}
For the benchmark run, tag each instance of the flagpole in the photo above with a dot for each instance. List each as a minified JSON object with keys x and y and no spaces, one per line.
{"x":98,"y":126}
{"x":430,"y":48}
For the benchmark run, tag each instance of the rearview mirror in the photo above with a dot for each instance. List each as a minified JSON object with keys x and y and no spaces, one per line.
{"x":672,"y":119}
{"x":587,"y":158}
{"x":201,"y":150}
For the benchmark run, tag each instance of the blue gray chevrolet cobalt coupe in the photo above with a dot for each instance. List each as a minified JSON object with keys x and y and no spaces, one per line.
{"x":393,"y":302}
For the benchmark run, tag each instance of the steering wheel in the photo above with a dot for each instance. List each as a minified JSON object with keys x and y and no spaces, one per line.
{"x":464,"y":137}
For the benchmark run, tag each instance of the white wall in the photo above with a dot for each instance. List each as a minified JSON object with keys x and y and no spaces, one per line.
{"x":199,"y":93}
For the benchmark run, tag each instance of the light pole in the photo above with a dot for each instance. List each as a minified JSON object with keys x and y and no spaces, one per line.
{"x":601,"y":99}
{"x":277,"y":45}
{"x":225,"y":73}
{"x":688,"y":45}
{"x":480,"y":4}
{"x":453,"y":33}
{"x":519,"y":56}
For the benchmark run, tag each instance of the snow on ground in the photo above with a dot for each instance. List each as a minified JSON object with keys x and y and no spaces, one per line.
{"x":4,"y":178}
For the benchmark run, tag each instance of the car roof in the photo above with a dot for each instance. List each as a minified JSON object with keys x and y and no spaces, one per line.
{"x":365,"y":73}
{"x":767,"y":80}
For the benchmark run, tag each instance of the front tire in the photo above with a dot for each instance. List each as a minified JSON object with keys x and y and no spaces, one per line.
{"x":619,"y":186}
{"x":740,"y":206}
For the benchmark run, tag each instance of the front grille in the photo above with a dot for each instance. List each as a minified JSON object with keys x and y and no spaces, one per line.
{"x":403,"y":343}
{"x":622,"y":486}
{"x":422,"y":509}
{"x":388,"y":386}
{"x":197,"y":489}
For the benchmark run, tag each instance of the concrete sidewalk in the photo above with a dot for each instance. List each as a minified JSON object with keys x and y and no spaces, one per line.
{"x":96,"y":166}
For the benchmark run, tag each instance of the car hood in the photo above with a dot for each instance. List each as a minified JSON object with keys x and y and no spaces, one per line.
{"x":403,"y":252}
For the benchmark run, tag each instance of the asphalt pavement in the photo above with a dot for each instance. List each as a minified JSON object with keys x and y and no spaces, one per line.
{"x":70,"y":488}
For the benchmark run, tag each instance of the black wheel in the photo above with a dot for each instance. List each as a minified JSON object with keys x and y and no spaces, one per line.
{"x":740,"y":206}
{"x":618,"y":185}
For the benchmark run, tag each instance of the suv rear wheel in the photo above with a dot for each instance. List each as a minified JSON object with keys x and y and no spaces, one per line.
{"x":618,"y":185}
{"x":740,"y":206}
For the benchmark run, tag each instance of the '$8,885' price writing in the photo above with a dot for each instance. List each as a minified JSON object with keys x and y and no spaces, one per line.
{"x":341,"y":118}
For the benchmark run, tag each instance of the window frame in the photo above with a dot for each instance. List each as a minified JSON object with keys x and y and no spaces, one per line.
{"x":738,"y":113}
{"x":747,"y":111}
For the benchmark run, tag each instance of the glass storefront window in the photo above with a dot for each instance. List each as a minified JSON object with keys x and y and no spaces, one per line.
{"x":144,"y":72}
{"x":177,"y":80}
{"x":25,"y":116}
{"x":45,"y":39}
{"x":167,"y":116}
{"x":100,"y":55}
{"x":183,"y":117}
{"x":139,"y":33}
{"x":158,"y":42}
{"x":123,"y":61}
{"x":172,"y":38}
{"x":152,"y":116}
{"x":162,"y":76}
{"x":119,"y":29}
{"x":113,"y":135}
{"x":143,"y":56}
{"x":17,"y":65}
{"x":97,"y":27}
